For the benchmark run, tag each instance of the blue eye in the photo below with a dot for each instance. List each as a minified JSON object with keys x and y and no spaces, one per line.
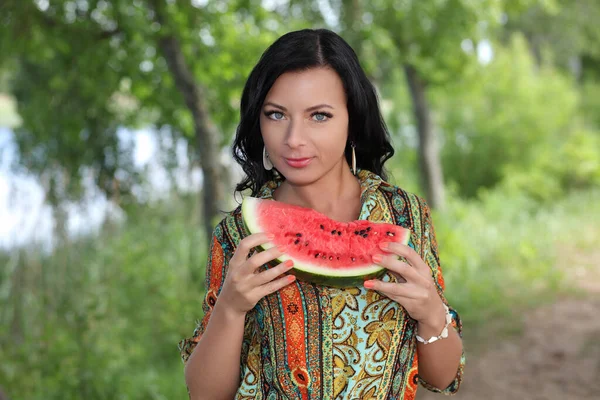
{"x":274,"y":115}
{"x":321,"y":116}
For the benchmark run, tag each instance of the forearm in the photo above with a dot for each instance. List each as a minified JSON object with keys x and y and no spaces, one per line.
{"x":439,"y":361}
{"x":213,"y":369}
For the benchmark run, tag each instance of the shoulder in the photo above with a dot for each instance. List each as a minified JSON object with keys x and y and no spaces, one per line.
{"x":410,"y":211}
{"x":229,"y":225}
{"x":232,"y":224}
{"x":403,"y":201}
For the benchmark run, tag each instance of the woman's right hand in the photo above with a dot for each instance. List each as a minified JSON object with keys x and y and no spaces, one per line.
{"x":244,"y":286}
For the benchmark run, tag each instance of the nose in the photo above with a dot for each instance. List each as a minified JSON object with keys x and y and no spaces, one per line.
{"x":295,"y":136}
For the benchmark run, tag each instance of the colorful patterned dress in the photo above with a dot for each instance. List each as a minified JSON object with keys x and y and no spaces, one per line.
{"x":308,"y":341}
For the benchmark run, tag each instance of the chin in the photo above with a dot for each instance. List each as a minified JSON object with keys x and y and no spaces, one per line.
{"x":300,"y":177}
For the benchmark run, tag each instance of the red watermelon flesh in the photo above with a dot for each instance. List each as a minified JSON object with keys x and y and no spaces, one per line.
{"x":323,"y":250}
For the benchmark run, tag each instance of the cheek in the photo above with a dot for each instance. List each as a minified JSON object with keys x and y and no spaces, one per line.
{"x":336,"y":136}
{"x":331,"y":144}
{"x":268,"y":132}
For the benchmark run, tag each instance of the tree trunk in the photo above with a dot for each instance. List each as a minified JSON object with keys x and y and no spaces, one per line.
{"x":17,"y":288}
{"x":535,"y":46}
{"x":206,"y":134}
{"x":432,"y":179}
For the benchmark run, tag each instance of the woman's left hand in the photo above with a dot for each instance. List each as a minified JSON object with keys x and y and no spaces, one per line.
{"x":415,"y":290}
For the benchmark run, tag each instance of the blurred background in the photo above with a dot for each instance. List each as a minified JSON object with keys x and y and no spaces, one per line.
{"x":116,"y":119}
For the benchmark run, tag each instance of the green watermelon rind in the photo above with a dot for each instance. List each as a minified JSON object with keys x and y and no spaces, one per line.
{"x":313,"y":273}
{"x":337,"y":281}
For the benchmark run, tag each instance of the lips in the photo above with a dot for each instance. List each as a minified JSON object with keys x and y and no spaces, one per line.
{"x":298,"y":162}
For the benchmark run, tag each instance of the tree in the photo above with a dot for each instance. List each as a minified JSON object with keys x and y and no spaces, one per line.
{"x":86,"y":68}
{"x":502,"y":116}
{"x":567,"y":34}
{"x":562,"y":32}
{"x":428,"y":37}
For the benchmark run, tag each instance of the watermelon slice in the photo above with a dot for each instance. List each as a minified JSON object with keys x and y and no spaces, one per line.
{"x":324,"y":251}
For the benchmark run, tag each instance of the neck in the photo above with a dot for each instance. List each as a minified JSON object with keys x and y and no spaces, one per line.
{"x":337,"y":190}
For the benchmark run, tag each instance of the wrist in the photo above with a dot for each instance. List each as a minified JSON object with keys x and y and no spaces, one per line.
{"x":436,"y":326}
{"x":435,"y":320}
{"x":230,"y":314}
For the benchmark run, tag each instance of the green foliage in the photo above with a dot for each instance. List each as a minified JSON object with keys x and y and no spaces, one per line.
{"x":557,"y":170}
{"x":428,"y":34}
{"x":101,"y":317}
{"x":83,"y":69}
{"x":560,"y":31}
{"x":499,"y":254}
{"x":590,"y":101}
{"x":501,"y":116}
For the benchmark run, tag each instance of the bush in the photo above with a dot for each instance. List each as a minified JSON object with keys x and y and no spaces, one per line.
{"x":572,"y":164}
{"x":101,"y":317}
{"x":499,"y":252}
{"x":500,"y":116}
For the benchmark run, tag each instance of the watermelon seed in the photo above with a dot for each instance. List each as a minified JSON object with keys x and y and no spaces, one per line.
{"x":390,"y":233}
{"x":330,"y":258}
{"x":368,"y":229}
{"x":365,"y":235}
{"x":306,"y":243}
{"x":338,"y":257}
{"x":339,"y":233}
{"x":333,"y":232}
{"x":356,"y":232}
{"x":362,"y":232}
{"x":322,"y":227}
{"x":298,"y":234}
{"x":324,"y":257}
{"x":353,"y":259}
{"x":317,"y":255}
{"x":296,"y":241}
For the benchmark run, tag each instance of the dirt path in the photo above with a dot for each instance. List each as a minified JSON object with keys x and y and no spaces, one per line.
{"x":557,"y":356}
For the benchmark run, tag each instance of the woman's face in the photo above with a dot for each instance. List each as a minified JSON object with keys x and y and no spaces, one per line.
{"x":304,"y":124}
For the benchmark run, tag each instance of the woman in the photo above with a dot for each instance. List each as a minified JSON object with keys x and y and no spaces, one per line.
{"x":307,"y":111}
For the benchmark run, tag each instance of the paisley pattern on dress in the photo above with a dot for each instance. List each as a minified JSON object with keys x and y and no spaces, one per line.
{"x":310,"y":341}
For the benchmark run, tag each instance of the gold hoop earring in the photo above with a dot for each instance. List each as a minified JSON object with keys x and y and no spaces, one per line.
{"x":266,"y":162}
{"x":353,"y":159}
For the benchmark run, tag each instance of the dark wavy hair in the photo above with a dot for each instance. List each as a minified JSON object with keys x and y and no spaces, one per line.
{"x":303,"y":50}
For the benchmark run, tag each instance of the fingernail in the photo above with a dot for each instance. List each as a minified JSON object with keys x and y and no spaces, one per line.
{"x":369,"y":284}
{"x":384,"y":246}
{"x":377,"y":258}
{"x":289,"y":264}
{"x":282,"y":248}
{"x":291,"y":278}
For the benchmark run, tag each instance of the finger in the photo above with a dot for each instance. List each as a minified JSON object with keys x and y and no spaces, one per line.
{"x":399,"y":267}
{"x":247,"y":244}
{"x":277,"y":284}
{"x":409,"y":254}
{"x":391,"y":289}
{"x":262,"y":257}
{"x":399,"y":278}
{"x":270,"y":274}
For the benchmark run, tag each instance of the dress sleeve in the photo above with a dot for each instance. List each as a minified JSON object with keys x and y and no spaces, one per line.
{"x":431,"y":257}
{"x":215,"y":268}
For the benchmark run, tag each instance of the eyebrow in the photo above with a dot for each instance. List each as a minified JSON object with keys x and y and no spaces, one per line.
{"x":308,"y":109}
